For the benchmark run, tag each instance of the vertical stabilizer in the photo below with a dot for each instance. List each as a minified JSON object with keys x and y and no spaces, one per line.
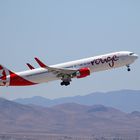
{"x":4,"y":73}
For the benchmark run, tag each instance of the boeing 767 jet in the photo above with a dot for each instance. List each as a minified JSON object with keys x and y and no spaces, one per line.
{"x":66,"y":71}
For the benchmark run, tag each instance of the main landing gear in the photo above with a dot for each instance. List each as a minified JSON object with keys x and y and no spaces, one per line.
{"x":66,"y":79}
{"x":65,"y":83}
{"x":128,"y":67}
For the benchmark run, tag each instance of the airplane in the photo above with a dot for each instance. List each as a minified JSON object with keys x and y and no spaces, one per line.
{"x":66,"y":71}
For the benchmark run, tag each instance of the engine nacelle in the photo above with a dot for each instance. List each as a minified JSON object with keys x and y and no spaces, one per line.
{"x":83,"y":72}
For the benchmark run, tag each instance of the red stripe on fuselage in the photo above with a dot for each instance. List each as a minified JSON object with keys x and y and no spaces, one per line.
{"x":16,"y":80}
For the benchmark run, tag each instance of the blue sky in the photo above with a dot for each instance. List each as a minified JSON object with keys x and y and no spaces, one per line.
{"x":61,"y":30}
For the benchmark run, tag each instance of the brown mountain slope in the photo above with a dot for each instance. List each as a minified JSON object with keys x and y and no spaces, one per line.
{"x":66,"y":119}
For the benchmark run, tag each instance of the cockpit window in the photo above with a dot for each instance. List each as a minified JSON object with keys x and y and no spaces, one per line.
{"x":131,"y":53}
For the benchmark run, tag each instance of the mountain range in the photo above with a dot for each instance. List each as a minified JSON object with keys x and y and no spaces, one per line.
{"x":68,"y":118}
{"x":125,"y":100}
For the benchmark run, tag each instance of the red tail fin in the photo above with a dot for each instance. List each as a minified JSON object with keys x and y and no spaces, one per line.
{"x":9,"y":78}
{"x":4,"y":72}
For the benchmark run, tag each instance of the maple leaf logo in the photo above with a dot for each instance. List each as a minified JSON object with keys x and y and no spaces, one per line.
{"x":2,"y":76}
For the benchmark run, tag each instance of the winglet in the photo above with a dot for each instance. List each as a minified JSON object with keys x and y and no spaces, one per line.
{"x":41,"y":64}
{"x":30,"y":66}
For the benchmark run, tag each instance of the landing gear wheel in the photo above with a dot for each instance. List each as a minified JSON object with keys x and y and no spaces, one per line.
{"x":64,"y":83}
{"x":128,"y":69}
{"x":67,"y":83}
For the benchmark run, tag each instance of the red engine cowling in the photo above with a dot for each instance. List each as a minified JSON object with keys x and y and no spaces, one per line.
{"x":83,"y":72}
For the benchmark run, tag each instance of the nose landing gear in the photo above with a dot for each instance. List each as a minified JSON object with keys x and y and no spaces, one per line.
{"x":128,"y":68}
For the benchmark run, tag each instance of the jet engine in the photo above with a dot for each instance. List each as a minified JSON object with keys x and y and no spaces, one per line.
{"x":83,"y":72}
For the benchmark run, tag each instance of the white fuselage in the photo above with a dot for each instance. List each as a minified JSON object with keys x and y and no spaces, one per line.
{"x":95,"y":64}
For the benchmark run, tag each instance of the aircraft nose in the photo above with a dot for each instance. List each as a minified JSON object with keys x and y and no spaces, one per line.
{"x":135,"y":56}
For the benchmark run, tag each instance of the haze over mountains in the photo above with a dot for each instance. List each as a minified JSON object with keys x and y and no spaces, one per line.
{"x":124,"y":100}
{"x":68,"y":118}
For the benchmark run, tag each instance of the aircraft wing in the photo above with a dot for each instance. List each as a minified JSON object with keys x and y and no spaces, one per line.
{"x":58,"y":71}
